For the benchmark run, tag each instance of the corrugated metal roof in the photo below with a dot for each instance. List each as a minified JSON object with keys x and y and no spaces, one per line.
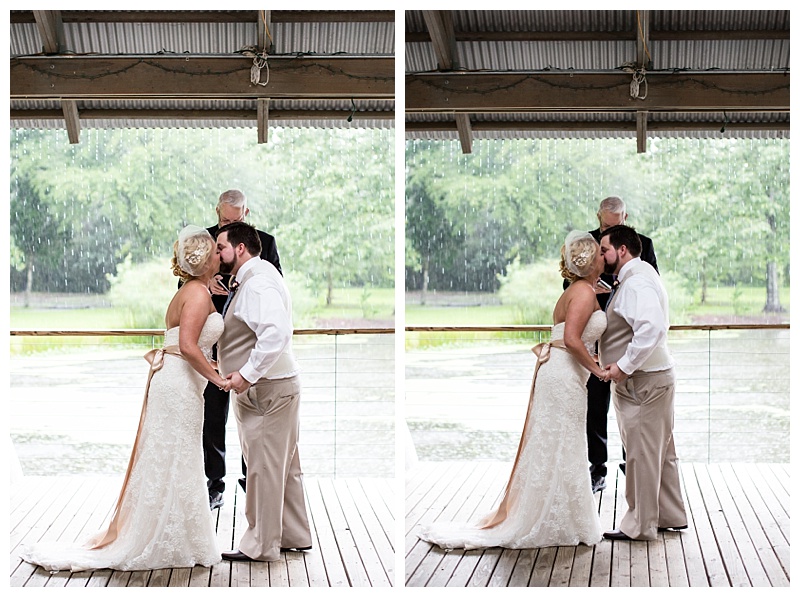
{"x":766,"y":51}
{"x":214,"y":38}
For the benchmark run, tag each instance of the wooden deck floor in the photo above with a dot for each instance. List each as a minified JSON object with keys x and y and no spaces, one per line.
{"x":351,"y":522}
{"x":738,"y":533}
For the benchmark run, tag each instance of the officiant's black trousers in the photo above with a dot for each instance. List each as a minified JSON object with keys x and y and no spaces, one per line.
{"x":599,"y":399}
{"x":215,"y":418}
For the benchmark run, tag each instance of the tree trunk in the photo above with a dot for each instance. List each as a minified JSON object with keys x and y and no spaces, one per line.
{"x":329,"y":297}
{"x":28,"y":284}
{"x":426,"y":263}
{"x":773,"y":290}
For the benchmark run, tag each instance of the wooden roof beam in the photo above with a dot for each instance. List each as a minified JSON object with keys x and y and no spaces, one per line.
{"x":200,"y":77}
{"x":51,"y":30}
{"x":492,"y":126}
{"x":532,"y":91}
{"x":212,"y":16}
{"x":69,"y":109}
{"x":440,"y":29}
{"x":193,"y":114}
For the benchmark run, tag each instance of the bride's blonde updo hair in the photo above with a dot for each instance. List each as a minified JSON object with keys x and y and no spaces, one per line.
{"x":192,"y":252}
{"x":577,"y":255}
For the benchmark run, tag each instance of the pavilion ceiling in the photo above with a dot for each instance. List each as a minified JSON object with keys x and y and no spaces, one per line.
{"x":491,"y":74}
{"x":107,"y":69}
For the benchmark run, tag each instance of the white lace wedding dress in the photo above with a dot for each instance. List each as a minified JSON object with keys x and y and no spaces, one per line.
{"x":548,"y":500}
{"x":163,"y":520}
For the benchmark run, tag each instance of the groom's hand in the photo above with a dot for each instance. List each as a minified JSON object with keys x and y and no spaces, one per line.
{"x":238,"y":383}
{"x":615,"y":374}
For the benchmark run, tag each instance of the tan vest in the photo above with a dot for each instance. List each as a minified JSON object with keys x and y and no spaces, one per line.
{"x":618,"y":335}
{"x":238,"y":339}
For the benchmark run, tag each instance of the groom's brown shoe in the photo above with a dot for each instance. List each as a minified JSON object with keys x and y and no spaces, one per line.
{"x":616,"y":535}
{"x":236,"y":556}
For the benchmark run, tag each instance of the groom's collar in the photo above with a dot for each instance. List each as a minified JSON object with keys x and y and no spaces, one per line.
{"x":246,"y":267}
{"x":623,"y":272}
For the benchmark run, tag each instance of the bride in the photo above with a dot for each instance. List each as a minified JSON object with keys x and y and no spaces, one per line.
{"x":548,"y":500}
{"x":162,"y":519}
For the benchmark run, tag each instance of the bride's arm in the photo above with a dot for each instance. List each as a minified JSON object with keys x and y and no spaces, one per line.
{"x":579,"y":309}
{"x":194,"y":313}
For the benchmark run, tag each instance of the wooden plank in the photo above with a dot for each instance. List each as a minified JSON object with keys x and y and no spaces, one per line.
{"x":737,"y":574}
{"x":275,"y":574}
{"x":562,"y":566}
{"x":582,"y":566}
{"x":503,"y":571}
{"x":326,"y":539}
{"x":703,"y":560}
{"x":438,"y":498}
{"x":640,"y":566}
{"x":543,"y":567}
{"x":380,"y":541}
{"x":767,"y":523}
{"x":601,"y":566}
{"x":366,"y":549}
{"x":180,"y":577}
{"x":159,"y":578}
{"x":620,"y":566}
{"x":484,"y":496}
{"x":523,"y":568}
{"x":356,"y":572}
{"x":200,"y":77}
{"x":751,"y":537}
{"x":119,"y":579}
{"x":677,"y":574}
{"x":315,"y":570}
{"x":657,"y":562}
{"x":462,"y":499}
{"x":296,"y":570}
{"x":592,"y":91}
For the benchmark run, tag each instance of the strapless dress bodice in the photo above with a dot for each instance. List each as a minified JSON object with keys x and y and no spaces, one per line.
{"x":591,"y":333}
{"x":212,"y":330}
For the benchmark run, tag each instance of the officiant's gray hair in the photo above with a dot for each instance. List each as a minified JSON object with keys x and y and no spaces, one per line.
{"x":234,"y":198}
{"x":612,"y":205}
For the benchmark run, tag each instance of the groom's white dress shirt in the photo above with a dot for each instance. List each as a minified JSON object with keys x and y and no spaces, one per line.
{"x":642,"y":302}
{"x":266,"y":308}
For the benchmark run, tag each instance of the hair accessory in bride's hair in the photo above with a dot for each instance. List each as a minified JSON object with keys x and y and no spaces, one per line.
{"x":193,"y":250}
{"x":579,"y":252}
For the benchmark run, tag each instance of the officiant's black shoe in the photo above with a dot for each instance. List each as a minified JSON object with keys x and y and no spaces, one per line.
{"x":616,"y":535}
{"x":598,"y":484}
{"x":236,"y":556}
{"x":680,"y":528}
{"x":622,"y":467}
{"x":215,"y":500}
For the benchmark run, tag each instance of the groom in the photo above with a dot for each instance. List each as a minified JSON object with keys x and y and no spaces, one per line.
{"x":634,"y":352}
{"x":255,"y":354}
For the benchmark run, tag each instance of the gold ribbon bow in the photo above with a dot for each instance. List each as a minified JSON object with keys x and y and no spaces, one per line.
{"x":156,"y":359}
{"x":542,"y":352}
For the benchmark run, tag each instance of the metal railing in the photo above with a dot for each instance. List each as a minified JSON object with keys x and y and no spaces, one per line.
{"x":467,"y":388}
{"x":75,"y":402}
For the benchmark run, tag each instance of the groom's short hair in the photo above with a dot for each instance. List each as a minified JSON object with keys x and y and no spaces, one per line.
{"x":624,"y":235}
{"x":245,"y":234}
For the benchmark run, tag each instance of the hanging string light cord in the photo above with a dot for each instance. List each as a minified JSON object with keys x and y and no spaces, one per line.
{"x":639,"y":80}
{"x":260,"y":62}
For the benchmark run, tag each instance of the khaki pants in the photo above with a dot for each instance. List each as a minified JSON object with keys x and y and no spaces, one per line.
{"x":645,"y":415}
{"x":268,"y":421}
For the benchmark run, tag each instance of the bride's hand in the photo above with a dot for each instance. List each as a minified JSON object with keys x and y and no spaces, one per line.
{"x":225,"y":385}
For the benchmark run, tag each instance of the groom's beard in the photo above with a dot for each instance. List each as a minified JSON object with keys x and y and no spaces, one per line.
{"x":225,"y":267}
{"x":610,"y":268}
